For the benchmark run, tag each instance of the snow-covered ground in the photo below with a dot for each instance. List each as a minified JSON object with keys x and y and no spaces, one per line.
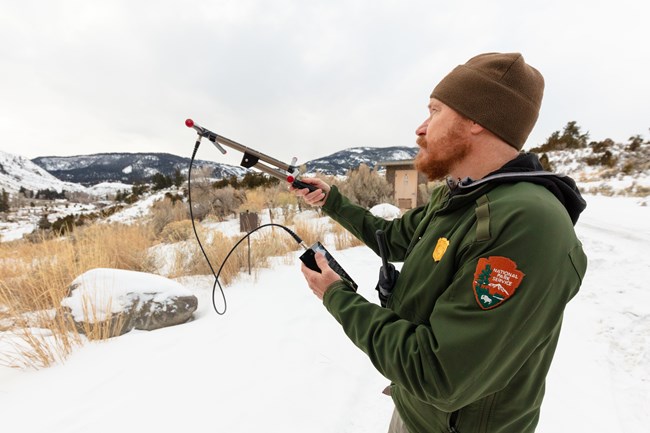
{"x":25,"y":220}
{"x":278,"y":362}
{"x":17,"y":171}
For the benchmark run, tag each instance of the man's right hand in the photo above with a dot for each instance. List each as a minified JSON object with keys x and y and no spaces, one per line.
{"x":314,"y":198}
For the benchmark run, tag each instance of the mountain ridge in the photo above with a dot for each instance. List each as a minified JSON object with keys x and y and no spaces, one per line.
{"x":615,"y":169}
{"x":138,"y":167}
{"x":125,"y":167}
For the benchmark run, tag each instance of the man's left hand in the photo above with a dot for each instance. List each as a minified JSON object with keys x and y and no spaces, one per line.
{"x":319,"y":282}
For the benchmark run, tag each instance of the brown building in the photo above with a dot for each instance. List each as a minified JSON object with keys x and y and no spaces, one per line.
{"x":405,"y":180}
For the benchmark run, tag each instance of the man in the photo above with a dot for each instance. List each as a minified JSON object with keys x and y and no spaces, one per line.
{"x":469,"y":332}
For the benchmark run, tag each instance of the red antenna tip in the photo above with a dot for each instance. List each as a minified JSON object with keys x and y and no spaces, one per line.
{"x":189,"y":123}
{"x":290,"y":179}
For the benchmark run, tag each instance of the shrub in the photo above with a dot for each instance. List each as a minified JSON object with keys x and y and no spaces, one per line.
{"x":426,"y":189}
{"x":570,"y":138}
{"x":546,"y":164}
{"x":607,"y":159}
{"x":4,"y":201}
{"x":177,"y":231}
{"x":166,"y":211}
{"x":219,"y":202}
{"x":635,"y":143}
{"x":366,"y":187}
{"x":628,"y":168}
{"x":44,"y":223}
{"x":602,"y":146}
{"x":250,"y":180}
{"x":64,"y":224}
{"x":160,"y":181}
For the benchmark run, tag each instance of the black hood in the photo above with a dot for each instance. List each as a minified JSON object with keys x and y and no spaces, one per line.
{"x":527,"y":168}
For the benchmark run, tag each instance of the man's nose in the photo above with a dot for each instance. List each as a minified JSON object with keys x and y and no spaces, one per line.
{"x":422,"y":129}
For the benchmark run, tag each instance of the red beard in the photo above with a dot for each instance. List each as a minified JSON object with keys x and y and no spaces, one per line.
{"x":438,"y":157}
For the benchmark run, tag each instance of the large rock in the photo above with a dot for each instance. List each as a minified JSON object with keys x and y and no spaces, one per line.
{"x":106,"y":303}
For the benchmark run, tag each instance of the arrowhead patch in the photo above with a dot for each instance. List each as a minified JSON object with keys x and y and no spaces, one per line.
{"x":495,"y":280}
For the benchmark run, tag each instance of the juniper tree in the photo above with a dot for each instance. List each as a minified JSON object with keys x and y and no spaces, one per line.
{"x":4,"y":201}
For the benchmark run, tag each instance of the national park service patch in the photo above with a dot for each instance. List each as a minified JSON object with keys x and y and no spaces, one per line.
{"x":495,"y":280}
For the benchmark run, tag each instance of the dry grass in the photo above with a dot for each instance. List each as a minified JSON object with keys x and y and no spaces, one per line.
{"x":96,"y":325}
{"x":255,"y":201}
{"x":189,"y":259}
{"x":37,"y":340}
{"x":34,"y":278}
{"x":268,"y":244}
{"x":310,"y":232}
{"x":177,"y":231}
{"x":166,"y":211}
{"x":344,"y":239}
{"x":36,"y":331}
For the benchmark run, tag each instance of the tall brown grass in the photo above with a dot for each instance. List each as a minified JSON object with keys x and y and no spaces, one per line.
{"x":97,"y":325}
{"x":35,"y":277}
{"x":35,"y":331}
{"x":167,"y":211}
{"x":310,"y":232}
{"x":264,"y":244}
{"x":344,"y":239}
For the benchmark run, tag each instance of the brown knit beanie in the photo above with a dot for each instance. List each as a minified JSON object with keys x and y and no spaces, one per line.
{"x":498,"y":91}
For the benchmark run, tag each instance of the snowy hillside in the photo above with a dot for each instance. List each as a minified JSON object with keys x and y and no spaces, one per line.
{"x":339,"y":163}
{"x":125,"y":167}
{"x":609,"y":170}
{"x":17,"y":172}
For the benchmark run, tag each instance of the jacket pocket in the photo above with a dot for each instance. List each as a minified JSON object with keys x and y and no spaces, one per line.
{"x":452,"y":422}
{"x":475,"y":417}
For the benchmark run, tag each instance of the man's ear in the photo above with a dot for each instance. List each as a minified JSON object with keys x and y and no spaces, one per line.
{"x":476,"y":129}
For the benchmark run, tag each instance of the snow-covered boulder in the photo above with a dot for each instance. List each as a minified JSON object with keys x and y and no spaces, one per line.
{"x":111,"y":302}
{"x":386,"y":211}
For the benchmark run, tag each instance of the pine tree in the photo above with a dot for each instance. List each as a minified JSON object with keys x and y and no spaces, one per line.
{"x":484,"y":278}
{"x":44,"y":223}
{"x":570,"y":138}
{"x":4,"y":201}
{"x":178,"y":178}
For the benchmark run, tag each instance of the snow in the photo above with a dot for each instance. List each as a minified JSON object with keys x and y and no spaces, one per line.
{"x":386,"y":211}
{"x":108,"y":188}
{"x":12,"y":231}
{"x":137,"y":210}
{"x":116,"y":289}
{"x":25,"y":220}
{"x":278,"y":362}
{"x":17,"y":171}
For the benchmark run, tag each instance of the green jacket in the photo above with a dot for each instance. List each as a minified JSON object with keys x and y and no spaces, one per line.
{"x":468,"y":336}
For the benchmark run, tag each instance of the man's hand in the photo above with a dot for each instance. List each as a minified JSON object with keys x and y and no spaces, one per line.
{"x":319,"y":282}
{"x":314,"y":198}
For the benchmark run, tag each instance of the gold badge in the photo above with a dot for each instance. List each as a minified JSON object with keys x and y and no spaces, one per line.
{"x":440,"y":249}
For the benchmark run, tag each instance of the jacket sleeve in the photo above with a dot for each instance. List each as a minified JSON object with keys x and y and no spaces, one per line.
{"x":363,"y":224}
{"x":464,"y":352}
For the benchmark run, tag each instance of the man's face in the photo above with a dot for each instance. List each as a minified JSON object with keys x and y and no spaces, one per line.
{"x":443,"y":141}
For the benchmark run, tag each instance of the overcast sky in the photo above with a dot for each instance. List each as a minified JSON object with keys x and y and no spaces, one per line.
{"x":298,"y":78}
